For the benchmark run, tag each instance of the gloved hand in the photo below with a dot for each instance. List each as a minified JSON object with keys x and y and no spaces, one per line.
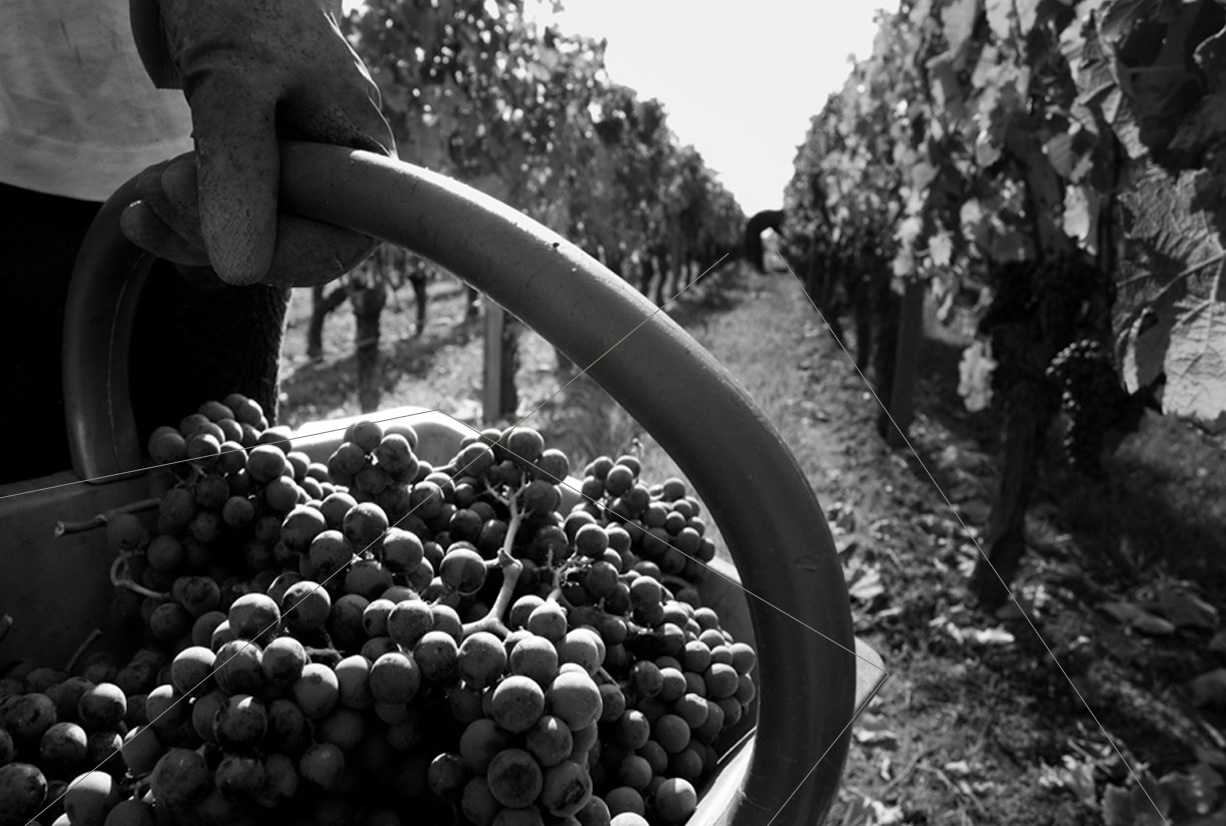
{"x":254,"y":72}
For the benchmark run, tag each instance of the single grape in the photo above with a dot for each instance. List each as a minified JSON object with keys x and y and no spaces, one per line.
{"x":165,"y":708}
{"x":317,"y":691}
{"x":344,"y":728}
{"x":395,"y":455}
{"x":283,"y":661}
{"x":634,"y":771}
{"x":335,"y":506}
{"x":376,"y":647}
{"x":241,"y":721}
{"x":535,"y":657}
{"x":574,"y":697}
{"x":478,"y":804}
{"x":130,"y":812}
{"x":567,"y":788}
{"x":584,"y":647}
{"x":364,"y":524}
{"x":402,"y":550}
{"x":549,"y":740}
{"x":300,"y":527}
{"x":676,"y":799}
{"x":436,"y":654}
{"x":322,"y":765}
{"x":409,"y":621}
{"x":239,"y":667}
{"x":517,"y":703}
{"x":515,"y":778}
{"x":721,"y":681}
{"x":100,"y":707}
{"x":239,"y":776}
{"x":549,"y":621}
{"x":288,"y":730}
{"x":180,"y":779}
{"x":446,"y":776}
{"x":463,"y":570}
{"x":266,"y":463}
{"x":692,"y":708}
{"x":281,"y":782}
{"x":63,"y":744}
{"x":688,"y":763}
{"x":282,"y":494}
{"x":141,"y":750}
{"x":367,"y":578}
{"x":595,"y":813}
{"x":89,"y":797}
{"x":482,"y":659}
{"x":447,"y":620}
{"x":353,"y":682}
{"x":252,"y":615}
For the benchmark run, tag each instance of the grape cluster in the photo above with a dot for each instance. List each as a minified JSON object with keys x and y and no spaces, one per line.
{"x":1091,"y":399}
{"x":352,"y":641}
{"x":1037,"y":309}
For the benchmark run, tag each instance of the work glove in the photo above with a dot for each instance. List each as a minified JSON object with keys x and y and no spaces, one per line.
{"x":254,"y":72}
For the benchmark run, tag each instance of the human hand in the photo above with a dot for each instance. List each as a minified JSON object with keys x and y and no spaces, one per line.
{"x":254,"y":74}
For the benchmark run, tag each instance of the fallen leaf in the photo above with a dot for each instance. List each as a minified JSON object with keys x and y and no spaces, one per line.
{"x":958,"y":767}
{"x":1134,"y":616}
{"x":1128,"y":806}
{"x":1214,"y":757}
{"x":993,"y":636}
{"x":1078,"y":777}
{"x":1208,"y":689}
{"x":867,"y":586}
{"x":1182,"y":607}
{"x":1197,"y":788}
{"x":1215,"y":819}
{"x":878,"y":737}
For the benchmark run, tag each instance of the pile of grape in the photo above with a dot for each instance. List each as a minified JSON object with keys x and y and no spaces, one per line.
{"x":376,"y":641}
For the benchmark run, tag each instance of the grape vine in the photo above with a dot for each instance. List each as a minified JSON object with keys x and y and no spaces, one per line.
{"x":1066,"y":157}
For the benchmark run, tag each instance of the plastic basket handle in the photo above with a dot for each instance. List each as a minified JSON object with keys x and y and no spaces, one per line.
{"x":736,"y":461}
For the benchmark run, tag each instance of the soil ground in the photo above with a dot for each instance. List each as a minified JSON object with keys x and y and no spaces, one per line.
{"x":977,"y":723}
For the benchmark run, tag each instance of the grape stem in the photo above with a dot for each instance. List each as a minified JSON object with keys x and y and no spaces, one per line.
{"x":80,"y":652}
{"x":101,"y":519}
{"x":121,"y":561}
{"x":511,"y":570}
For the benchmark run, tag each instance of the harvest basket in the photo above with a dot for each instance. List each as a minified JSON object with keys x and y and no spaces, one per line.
{"x":809,"y":686}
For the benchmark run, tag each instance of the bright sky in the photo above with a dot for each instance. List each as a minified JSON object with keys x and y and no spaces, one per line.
{"x":738,"y":79}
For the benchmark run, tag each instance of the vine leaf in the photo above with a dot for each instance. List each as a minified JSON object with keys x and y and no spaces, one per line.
{"x":1128,"y":806}
{"x":1207,"y":689}
{"x":958,"y":21}
{"x":1196,"y":788}
{"x":1196,"y":364}
{"x":1176,"y":259}
{"x":1027,"y":15}
{"x":1000,"y":18}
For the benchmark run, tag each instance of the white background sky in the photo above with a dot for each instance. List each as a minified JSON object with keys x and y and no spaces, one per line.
{"x":739,"y":78}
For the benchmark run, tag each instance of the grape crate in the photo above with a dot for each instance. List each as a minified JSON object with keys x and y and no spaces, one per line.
{"x":376,"y":641}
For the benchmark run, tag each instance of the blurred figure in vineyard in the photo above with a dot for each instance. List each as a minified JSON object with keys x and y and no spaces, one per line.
{"x":88,"y":100}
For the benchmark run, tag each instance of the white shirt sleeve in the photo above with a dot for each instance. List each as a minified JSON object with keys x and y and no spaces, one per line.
{"x":79,"y":116}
